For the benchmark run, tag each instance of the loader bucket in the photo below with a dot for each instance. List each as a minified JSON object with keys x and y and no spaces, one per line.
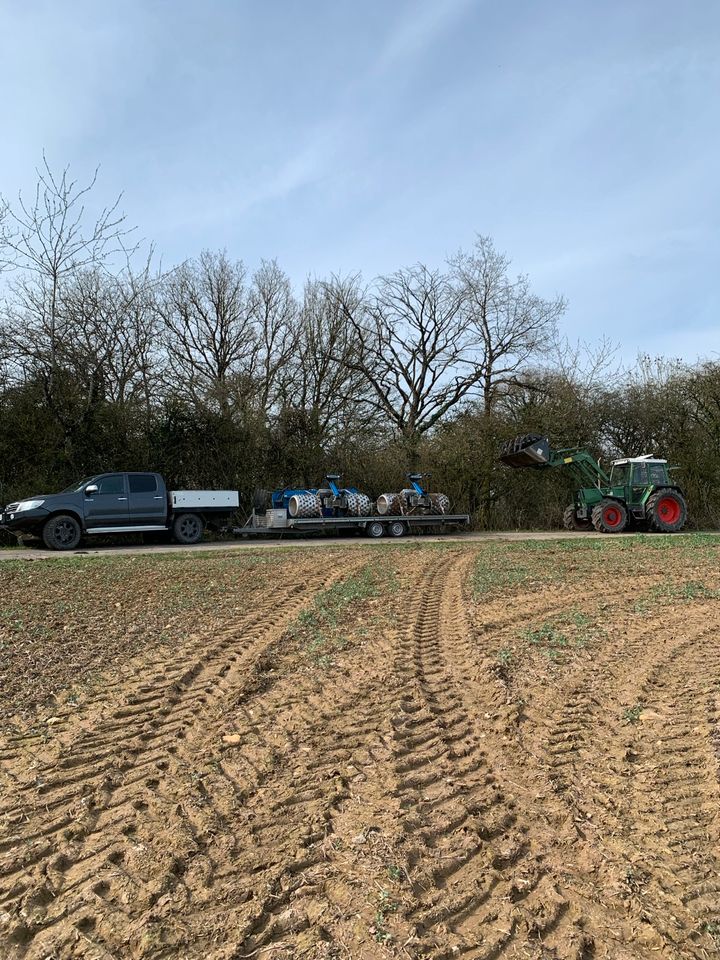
{"x":530,"y":450}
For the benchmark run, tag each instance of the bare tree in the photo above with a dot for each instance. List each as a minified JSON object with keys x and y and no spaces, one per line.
{"x":590,"y":367}
{"x":52,"y":237}
{"x":513,"y":326}
{"x":414,"y":348}
{"x":4,"y":214}
{"x":325,"y":382}
{"x":210,"y":336}
{"x":112,"y":336}
{"x":274,"y":311}
{"x":49,"y":243}
{"x":100,"y":350}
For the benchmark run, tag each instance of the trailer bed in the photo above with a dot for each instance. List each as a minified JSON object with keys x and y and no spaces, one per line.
{"x":257,"y":525}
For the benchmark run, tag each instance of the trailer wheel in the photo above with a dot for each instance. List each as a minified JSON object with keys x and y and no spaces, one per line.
{"x":375,"y":529}
{"x":397,"y":528}
{"x":188,"y":528}
{"x":666,"y":510}
{"x":61,"y":532}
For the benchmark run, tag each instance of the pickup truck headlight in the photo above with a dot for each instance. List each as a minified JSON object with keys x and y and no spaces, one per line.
{"x":28,"y":505}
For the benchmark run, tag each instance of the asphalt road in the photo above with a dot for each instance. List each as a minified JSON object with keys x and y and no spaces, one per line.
{"x":317,"y":542}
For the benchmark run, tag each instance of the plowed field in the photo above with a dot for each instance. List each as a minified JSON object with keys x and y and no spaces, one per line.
{"x":493,"y":750}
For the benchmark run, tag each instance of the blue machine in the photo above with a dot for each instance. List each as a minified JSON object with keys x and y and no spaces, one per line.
{"x":280,"y":499}
{"x":329,"y":501}
{"x":415,"y":479}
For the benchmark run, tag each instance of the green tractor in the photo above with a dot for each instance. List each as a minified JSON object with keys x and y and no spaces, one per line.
{"x":638,"y":493}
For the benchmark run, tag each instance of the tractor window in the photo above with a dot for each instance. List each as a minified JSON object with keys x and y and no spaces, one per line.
{"x":619,"y":474}
{"x":640,"y":474}
{"x":658,"y":473}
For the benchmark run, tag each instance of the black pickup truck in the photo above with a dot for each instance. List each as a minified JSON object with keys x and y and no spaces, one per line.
{"x":110,"y":503}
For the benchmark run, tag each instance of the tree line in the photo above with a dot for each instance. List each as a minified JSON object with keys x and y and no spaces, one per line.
{"x":218,"y":375}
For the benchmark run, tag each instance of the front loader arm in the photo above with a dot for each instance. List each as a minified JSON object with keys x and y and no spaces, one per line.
{"x":534,"y":452}
{"x":582,"y":465}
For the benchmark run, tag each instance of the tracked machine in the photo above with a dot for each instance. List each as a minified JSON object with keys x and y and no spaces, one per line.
{"x":638,"y":493}
{"x":327,"y":501}
{"x":413,"y":500}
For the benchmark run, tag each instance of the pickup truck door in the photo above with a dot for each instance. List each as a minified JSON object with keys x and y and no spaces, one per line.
{"x":147,"y":500}
{"x":109,"y":506}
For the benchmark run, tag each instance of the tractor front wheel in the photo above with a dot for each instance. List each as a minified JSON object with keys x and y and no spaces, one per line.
{"x":571,"y":521}
{"x":609,"y":516}
{"x":666,"y":511}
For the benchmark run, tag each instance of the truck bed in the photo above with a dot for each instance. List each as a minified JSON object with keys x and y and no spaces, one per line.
{"x":204,"y":500}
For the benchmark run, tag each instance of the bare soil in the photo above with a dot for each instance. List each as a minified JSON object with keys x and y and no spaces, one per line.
{"x":422,"y":750}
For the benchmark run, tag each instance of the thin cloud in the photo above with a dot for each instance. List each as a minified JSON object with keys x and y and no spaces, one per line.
{"x":416,"y":31}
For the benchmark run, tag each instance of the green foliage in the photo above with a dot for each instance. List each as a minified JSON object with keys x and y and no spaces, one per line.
{"x":712,"y":928}
{"x":504,"y":656}
{"x":320,"y":627}
{"x":687,"y":590}
{"x":546,"y":636}
{"x":386,"y":906}
{"x":557,"y":639}
{"x":632,"y":714}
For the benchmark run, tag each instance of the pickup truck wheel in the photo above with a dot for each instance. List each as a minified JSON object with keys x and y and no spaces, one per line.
{"x":61,"y":532}
{"x":188,"y":528}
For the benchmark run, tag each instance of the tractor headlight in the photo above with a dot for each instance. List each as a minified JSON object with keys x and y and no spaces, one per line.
{"x":28,"y":505}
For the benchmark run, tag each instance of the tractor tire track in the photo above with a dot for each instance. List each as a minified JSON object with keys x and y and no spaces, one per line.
{"x":469,"y":852}
{"x":301,"y":747}
{"x":413,"y":797}
{"x":586,"y":752}
{"x":132,"y":747}
{"x":676,"y":788}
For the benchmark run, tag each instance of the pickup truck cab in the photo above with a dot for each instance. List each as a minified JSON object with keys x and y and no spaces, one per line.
{"x":109,"y":503}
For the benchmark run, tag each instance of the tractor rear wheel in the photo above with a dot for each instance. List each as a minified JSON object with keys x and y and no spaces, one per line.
{"x":609,"y":516}
{"x":571,"y":521}
{"x":666,"y":511}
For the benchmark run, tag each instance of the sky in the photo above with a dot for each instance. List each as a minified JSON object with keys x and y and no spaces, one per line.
{"x":339,"y":136}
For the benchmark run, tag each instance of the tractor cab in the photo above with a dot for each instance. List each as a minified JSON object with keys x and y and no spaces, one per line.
{"x":632,"y":478}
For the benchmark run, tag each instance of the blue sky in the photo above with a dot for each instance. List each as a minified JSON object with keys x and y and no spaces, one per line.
{"x":584,"y":137}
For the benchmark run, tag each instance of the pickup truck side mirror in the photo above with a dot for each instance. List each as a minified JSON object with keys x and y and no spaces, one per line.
{"x":91,"y":489}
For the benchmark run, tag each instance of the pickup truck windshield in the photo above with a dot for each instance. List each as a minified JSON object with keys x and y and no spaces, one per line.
{"x":78,"y":485}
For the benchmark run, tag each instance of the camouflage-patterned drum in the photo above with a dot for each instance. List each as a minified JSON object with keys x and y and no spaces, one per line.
{"x":359,"y":505}
{"x":440,"y":502}
{"x":305,"y":505}
{"x":390,"y":505}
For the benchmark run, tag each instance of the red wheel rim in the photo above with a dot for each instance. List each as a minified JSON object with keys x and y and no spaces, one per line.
{"x":668,"y":510}
{"x":612,"y":516}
